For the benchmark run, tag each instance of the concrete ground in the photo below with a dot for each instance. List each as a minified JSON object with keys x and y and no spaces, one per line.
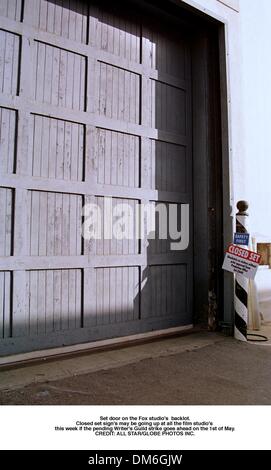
{"x":197,"y":369}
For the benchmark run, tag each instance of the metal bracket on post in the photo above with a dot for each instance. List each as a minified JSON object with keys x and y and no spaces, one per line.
{"x":241,"y":283}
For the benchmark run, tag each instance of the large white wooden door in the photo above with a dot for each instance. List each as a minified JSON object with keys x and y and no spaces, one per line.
{"x":95,"y":103}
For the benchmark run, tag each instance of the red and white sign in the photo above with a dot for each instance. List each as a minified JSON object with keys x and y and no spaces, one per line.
{"x":241,"y":261}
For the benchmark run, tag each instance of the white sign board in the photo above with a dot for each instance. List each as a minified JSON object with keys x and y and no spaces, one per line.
{"x":241,"y":261}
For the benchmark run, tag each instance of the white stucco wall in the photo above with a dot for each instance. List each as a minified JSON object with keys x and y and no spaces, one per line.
{"x":249,"y":83}
{"x":255,"y":19}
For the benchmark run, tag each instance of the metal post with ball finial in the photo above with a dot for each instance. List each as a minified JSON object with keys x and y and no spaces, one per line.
{"x":241,"y":282}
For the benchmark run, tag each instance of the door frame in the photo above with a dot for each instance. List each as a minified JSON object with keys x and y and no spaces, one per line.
{"x":211,"y":139}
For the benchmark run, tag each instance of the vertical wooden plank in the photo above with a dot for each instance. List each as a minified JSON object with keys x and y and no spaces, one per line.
{"x":91,"y":286}
{"x":153,"y":164}
{"x":116,"y":36}
{"x":2,"y":304}
{"x":159,"y":174}
{"x":67,"y":151}
{"x":137,"y":294}
{"x":66,"y":224}
{"x":60,"y":150}
{"x":31,"y":12}
{"x":71,"y":91}
{"x":4,"y":131}
{"x":125,"y":160}
{"x":40,"y":71}
{"x":9,"y":65}
{"x":62,"y":78}
{"x":92,"y":70}
{"x":100,"y":242}
{"x":82,"y":88}
{"x":120,"y":109}
{"x":131,"y":245}
{"x":52,"y":148}
{"x":102,"y":89}
{"x":58,"y":18}
{"x":57,"y":294}
{"x":124,"y":274}
{"x":45,"y":142}
{"x":50,"y":17}
{"x":128,"y":220}
{"x":89,"y":247}
{"x":72,"y":20}
{"x":118,"y":294}
{"x":8,"y":120}
{"x":121,"y":35}
{"x":19,"y":320}
{"x":37,"y":145}
{"x":130,"y":293}
{"x":145,"y":291}
{"x":50,"y":246}
{"x":48,"y":72}
{"x":2,"y":62}
{"x":79,"y":307}
{"x":55,"y":76}
{"x":79,"y":200}
{"x":41,"y":302}
{"x":107,"y":157}
{"x":121,"y":160}
{"x":34,"y":201}
{"x":112,"y":297}
{"x":75,"y":155}
{"x":20,"y":217}
{"x":169,"y":284}
{"x":6,"y":203}
{"x":114,"y":242}
{"x":115,"y":94}
{"x":99,"y":295}
{"x":7,"y":303}
{"x":93,"y":137}
{"x":130,"y":161}
{"x":114,"y":158}
{"x":81,"y":18}
{"x":110,"y":38}
{"x":128,"y":99}
{"x":33,"y":303}
{"x":101,"y":154}
{"x":24,"y":128}
{"x":106,"y":300}
{"x":43,"y":15}
{"x":49,"y":319}
{"x":163,"y":291}
{"x":58,"y":224}
{"x":93,"y":16}
{"x":64,"y":300}
{"x":133,"y":50}
{"x":72,"y":226}
{"x":42,"y":224}
{"x":72,"y":299}
{"x":146,"y":168}
{"x":65,"y":22}
{"x":4,"y":8}
{"x":81,"y":153}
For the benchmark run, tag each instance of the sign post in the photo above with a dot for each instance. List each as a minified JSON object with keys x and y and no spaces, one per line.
{"x":241,"y":282}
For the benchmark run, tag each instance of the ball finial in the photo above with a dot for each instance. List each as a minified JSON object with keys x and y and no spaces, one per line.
{"x":242,"y":207}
